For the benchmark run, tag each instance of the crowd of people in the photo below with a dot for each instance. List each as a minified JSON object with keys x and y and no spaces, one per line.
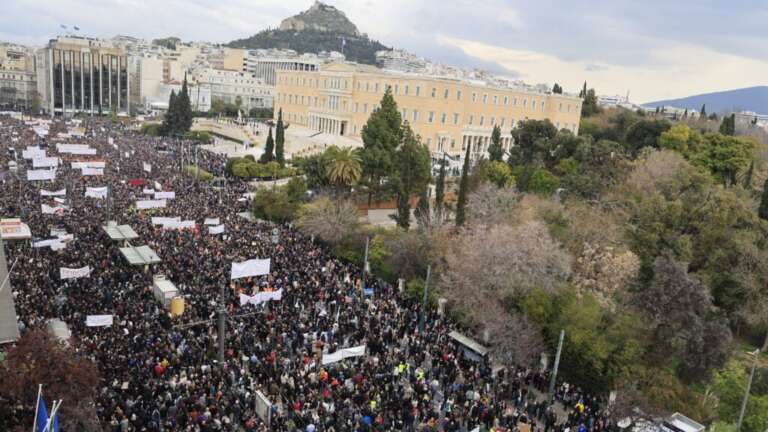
{"x":161,"y":373}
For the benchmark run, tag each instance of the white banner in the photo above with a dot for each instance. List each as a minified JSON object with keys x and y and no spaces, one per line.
{"x":341,"y":354}
{"x":254,"y":267}
{"x":147,"y":167}
{"x":88,"y":171}
{"x":212,"y":221}
{"x":58,"y":245}
{"x":96,"y":192}
{"x":261,"y":297}
{"x":164,"y":220}
{"x":45,"y":162}
{"x":68,"y":273}
{"x":148,"y":191}
{"x":89,"y":164}
{"x":43,"y":243}
{"x":76,"y":149}
{"x":176,"y":225}
{"x":41,"y":175}
{"x":46,"y":209}
{"x":165,"y":195}
{"x":150,"y":204}
{"x":216,"y":229}
{"x":60,"y":192}
{"x":99,"y":320}
{"x":33,"y":153}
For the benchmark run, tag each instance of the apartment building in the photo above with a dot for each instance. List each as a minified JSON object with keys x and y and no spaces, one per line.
{"x":448,"y":113}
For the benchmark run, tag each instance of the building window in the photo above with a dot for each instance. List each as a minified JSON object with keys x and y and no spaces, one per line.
{"x":471,"y":119}
{"x":502,"y":122}
{"x":367,"y":87}
{"x":377,"y":88}
{"x":434,"y":91}
{"x":506,"y":100}
{"x":458,"y":95}
{"x":431,"y":117}
{"x":415,"y":114}
{"x":533,"y":104}
{"x":474,"y":97}
{"x":493,"y":121}
{"x":560,"y":108}
{"x":365,"y":108}
{"x":482,"y":120}
{"x":445,"y":94}
{"x":485,"y":98}
{"x":455,"y":118}
{"x":525,"y":102}
{"x":442,"y":118}
{"x":406,"y":90}
{"x":543,"y":105}
{"x":514,"y":102}
{"x":397,"y":89}
{"x":429,"y":142}
{"x":418,"y":90}
{"x":402,"y":114}
{"x":495,"y":100}
{"x":357,"y":106}
{"x":453,"y":143}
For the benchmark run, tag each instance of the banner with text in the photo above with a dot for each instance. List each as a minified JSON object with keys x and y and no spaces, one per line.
{"x":68,"y":273}
{"x":254,"y":267}
{"x":99,"y":320}
{"x":96,"y":192}
{"x":261,"y":297}
{"x":150,"y":204}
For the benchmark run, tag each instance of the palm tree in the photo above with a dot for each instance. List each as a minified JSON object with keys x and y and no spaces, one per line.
{"x":345,"y":165}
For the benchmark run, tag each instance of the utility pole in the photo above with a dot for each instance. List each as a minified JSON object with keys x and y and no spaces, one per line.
{"x":365,"y":267}
{"x":424,"y":299}
{"x":744,"y":401}
{"x":222,"y":324}
{"x":557,"y":365}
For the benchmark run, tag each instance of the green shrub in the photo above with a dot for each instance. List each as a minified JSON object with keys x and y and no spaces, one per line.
{"x":151,"y":129}
{"x":198,"y":173}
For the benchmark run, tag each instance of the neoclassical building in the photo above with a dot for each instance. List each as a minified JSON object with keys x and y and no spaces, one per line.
{"x":447,"y":113}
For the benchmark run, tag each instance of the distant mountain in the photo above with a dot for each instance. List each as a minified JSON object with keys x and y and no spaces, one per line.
{"x":748,"y":99}
{"x":320,"y":28}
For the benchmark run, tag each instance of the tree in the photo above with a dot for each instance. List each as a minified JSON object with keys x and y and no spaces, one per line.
{"x":583,"y":92}
{"x":497,"y":173}
{"x":440,"y":192}
{"x":274,"y":204}
{"x":703,"y":112}
{"x":463,"y":190}
{"x":280,"y":139}
{"x":589,"y":106}
{"x":728,"y":125}
{"x":170,"y":121}
{"x":269,"y":148}
{"x":412,"y":164}
{"x":315,"y":169}
{"x":676,"y":138}
{"x":381,"y":136}
{"x":39,"y":358}
{"x":495,"y":150}
{"x":344,"y":166}
{"x":329,"y":220}
{"x":762,"y":211}
{"x":489,"y":205}
{"x":679,"y":308}
{"x":543,"y":182}
{"x":729,"y":384}
{"x":556,"y":89}
{"x":645,"y":133}
{"x":724,"y":156}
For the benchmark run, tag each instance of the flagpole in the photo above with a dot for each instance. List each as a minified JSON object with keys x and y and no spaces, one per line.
{"x":37,"y":406}
{"x":54,"y":408}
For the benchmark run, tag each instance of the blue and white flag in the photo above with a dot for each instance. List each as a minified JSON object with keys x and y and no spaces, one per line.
{"x":41,"y":420}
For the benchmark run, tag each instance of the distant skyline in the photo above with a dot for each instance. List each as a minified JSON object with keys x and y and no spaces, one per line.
{"x":653,"y":49}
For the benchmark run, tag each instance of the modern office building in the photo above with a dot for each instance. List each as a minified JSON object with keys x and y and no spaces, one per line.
{"x":18,"y":81}
{"x":239,"y":88}
{"x":265,"y":63}
{"x":448,"y":113}
{"x":83,"y":75}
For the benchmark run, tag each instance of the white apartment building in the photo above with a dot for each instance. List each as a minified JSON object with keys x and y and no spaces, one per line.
{"x":233,"y":87}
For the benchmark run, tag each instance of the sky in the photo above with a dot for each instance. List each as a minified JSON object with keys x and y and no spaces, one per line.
{"x":650,"y":49}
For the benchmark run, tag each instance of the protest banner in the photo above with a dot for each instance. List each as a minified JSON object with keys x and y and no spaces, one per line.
{"x":68,"y":273}
{"x":45,"y":162}
{"x":341,"y":354}
{"x":212,"y":221}
{"x":96,"y":192}
{"x":33,"y":175}
{"x":150,"y":204}
{"x":60,"y":192}
{"x":88,"y":171}
{"x":261,"y":297}
{"x":99,"y":320}
{"x":165,"y":195}
{"x":254,"y":267}
{"x":219,"y":229}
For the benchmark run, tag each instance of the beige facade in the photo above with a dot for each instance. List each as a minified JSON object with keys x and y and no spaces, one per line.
{"x":447,"y":113}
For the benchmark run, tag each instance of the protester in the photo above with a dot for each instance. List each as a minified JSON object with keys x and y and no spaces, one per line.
{"x":161,"y":372}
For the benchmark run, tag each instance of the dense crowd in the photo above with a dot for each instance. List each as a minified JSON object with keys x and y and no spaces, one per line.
{"x":161,"y":373}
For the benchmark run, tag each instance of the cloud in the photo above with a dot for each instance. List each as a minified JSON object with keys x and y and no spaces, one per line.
{"x":672,"y":71}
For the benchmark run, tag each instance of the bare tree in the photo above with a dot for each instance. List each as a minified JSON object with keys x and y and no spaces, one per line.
{"x":329,"y":220}
{"x":501,"y":262}
{"x":513,"y":338}
{"x":490,"y":205}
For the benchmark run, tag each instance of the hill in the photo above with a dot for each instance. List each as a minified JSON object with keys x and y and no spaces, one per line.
{"x":749,"y":98}
{"x":320,"y":28}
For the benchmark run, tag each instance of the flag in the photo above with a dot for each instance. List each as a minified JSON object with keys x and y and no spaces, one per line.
{"x":41,"y":419}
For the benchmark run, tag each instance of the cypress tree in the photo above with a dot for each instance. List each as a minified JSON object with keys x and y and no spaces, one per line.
{"x":703,"y":113}
{"x":269,"y":147}
{"x":403,"y":217}
{"x":495,"y":151}
{"x":381,"y":136}
{"x":440,"y":192}
{"x":280,"y":139}
{"x":762,"y":211}
{"x":170,"y":121}
{"x":463,"y":186}
{"x":728,"y":125}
